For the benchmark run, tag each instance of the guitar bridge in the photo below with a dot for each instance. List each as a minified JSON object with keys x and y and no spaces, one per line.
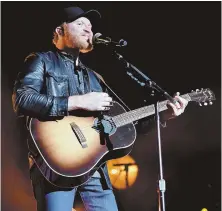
{"x":81,"y":138}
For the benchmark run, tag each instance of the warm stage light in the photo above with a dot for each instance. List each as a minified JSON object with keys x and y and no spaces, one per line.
{"x":114,"y":171}
{"x":123,"y":172}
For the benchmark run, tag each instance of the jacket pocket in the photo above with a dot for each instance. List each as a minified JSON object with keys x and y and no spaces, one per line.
{"x":57,"y":85}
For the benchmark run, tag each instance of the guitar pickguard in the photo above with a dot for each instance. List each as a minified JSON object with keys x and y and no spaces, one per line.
{"x":106,"y":124}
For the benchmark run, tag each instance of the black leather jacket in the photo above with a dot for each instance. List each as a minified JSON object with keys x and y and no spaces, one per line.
{"x":43,"y":88}
{"x":47,"y":82}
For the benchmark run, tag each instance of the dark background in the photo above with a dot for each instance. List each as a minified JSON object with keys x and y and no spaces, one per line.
{"x":178,"y":45}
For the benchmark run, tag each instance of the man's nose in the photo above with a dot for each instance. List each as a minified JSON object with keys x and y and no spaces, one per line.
{"x":88,"y":30}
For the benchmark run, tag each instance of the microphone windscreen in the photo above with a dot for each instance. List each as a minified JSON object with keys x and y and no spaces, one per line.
{"x":96,"y":36}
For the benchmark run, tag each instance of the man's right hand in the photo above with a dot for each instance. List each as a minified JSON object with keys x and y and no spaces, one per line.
{"x":93,"y":101}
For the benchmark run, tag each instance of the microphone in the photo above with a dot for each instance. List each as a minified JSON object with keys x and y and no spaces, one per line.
{"x":99,"y":39}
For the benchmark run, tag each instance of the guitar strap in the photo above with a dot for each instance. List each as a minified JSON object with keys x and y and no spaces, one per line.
{"x":108,"y":87}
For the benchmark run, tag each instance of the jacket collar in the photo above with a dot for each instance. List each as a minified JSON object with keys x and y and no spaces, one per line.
{"x":65,"y":56}
{"x":68,"y":57}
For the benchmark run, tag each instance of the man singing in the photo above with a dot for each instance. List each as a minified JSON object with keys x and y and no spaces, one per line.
{"x":52,"y":85}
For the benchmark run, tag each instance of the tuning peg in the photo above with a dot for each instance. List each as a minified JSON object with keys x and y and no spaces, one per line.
{"x":211,"y":103}
{"x":197,"y":90}
{"x":192,"y":90}
{"x":205,"y":104}
{"x":200,"y":104}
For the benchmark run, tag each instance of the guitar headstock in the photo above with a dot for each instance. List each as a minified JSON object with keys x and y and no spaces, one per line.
{"x":202,"y":96}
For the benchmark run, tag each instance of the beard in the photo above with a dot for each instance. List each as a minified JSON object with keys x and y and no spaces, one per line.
{"x":77,"y":41}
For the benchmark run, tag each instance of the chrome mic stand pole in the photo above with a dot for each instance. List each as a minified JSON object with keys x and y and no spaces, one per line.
{"x":161,"y":183}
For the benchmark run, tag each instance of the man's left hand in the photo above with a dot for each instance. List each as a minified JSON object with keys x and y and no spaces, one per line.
{"x":176,"y":109}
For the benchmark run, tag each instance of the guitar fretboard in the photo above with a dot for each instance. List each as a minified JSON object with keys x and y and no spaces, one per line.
{"x":140,"y":113}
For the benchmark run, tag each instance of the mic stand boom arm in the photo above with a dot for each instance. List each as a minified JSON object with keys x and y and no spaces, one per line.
{"x":144,"y":80}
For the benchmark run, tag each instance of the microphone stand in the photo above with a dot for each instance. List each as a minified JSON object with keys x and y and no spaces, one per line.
{"x":144,"y":80}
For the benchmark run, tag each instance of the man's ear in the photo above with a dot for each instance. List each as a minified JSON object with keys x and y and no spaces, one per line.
{"x":59,"y":30}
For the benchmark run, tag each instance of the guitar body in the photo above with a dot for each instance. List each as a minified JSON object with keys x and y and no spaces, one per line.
{"x":74,"y":147}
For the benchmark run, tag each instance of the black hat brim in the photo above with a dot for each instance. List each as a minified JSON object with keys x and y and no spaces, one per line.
{"x":93,"y":15}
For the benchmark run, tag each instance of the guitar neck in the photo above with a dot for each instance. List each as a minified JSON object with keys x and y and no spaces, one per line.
{"x":140,"y":113}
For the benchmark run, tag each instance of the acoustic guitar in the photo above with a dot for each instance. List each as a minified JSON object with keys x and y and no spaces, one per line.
{"x":75,"y":147}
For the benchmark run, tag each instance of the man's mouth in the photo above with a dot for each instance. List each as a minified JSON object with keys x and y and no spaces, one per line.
{"x":86,"y":36}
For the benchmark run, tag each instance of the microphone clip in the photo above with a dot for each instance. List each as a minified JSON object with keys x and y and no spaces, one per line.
{"x":98,"y":39}
{"x":105,"y":41}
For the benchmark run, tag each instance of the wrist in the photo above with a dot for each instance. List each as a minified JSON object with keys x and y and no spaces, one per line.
{"x":74,"y":102}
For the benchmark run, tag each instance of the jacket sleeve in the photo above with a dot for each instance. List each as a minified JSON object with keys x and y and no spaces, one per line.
{"x":28,"y":98}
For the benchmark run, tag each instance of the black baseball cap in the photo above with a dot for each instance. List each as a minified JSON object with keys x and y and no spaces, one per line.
{"x":70,"y":14}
